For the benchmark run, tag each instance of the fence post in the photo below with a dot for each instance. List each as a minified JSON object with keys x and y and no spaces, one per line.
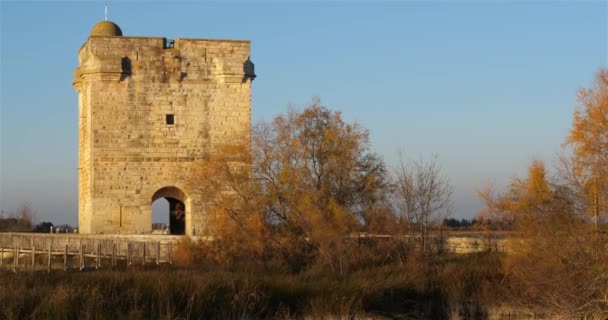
{"x":170,"y":253}
{"x":129,"y":251}
{"x":81,"y":256}
{"x":113,"y":254}
{"x":33,"y":251}
{"x":16,"y":258}
{"x":158,"y":253}
{"x":98,"y":255}
{"x":143,"y":260}
{"x":65,"y":258}
{"x":48,"y":263}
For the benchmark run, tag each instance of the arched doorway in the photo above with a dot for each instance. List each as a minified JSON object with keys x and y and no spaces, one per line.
{"x":177,"y":200}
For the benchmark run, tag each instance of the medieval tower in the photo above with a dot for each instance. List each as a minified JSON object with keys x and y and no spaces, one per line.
{"x":149,"y":108}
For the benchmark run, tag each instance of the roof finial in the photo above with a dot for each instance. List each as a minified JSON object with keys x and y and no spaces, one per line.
{"x":105,"y":4}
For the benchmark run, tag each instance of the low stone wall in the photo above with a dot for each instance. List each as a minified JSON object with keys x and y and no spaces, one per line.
{"x":472,"y":244}
{"x":457,"y":242}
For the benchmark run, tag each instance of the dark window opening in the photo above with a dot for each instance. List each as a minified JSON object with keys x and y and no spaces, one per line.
{"x":170,"y":119}
{"x":125,"y":64}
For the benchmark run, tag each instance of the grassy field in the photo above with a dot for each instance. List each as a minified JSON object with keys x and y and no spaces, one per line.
{"x":439,"y":289}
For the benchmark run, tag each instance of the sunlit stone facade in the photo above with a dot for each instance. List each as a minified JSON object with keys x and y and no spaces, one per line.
{"x":149,"y":108}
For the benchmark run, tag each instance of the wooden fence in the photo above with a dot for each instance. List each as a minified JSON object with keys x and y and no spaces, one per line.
{"x":39,"y":251}
{"x":30,"y":251}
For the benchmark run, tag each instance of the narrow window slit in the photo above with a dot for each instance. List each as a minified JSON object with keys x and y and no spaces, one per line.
{"x":170,"y":119}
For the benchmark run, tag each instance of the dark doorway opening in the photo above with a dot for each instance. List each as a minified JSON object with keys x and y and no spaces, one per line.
{"x":177,"y":216}
{"x":175,"y":199}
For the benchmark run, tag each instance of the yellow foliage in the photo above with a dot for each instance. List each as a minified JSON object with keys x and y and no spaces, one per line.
{"x":524,"y":199}
{"x":306,"y":184}
{"x":589,"y":139}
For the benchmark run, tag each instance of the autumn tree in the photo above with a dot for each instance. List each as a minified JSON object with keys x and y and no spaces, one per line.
{"x":225,"y":177}
{"x":325,"y":155}
{"x":527,"y":205}
{"x":304,"y":187}
{"x":318,"y":179}
{"x":556,"y":265}
{"x":232,"y":206}
{"x":530,"y":196}
{"x":552,"y":266}
{"x":589,"y":139}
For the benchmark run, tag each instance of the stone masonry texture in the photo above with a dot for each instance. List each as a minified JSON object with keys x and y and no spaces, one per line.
{"x":149,"y":109}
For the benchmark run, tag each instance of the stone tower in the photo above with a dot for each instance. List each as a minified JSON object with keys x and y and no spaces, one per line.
{"x":149,"y":108}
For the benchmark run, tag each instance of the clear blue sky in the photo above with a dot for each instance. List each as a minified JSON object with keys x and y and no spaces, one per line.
{"x":486,"y":85}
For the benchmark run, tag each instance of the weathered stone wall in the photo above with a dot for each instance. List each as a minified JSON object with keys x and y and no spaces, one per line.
{"x":471,"y":244}
{"x":127,"y":152}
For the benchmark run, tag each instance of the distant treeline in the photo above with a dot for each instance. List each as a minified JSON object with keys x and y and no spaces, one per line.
{"x":21,"y":221}
{"x":459,"y":224}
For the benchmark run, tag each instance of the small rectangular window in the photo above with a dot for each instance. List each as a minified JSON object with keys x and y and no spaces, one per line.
{"x":170,"y":119}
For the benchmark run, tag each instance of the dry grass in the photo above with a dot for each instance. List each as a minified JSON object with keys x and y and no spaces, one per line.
{"x":188,"y":293}
{"x":375,"y":277}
